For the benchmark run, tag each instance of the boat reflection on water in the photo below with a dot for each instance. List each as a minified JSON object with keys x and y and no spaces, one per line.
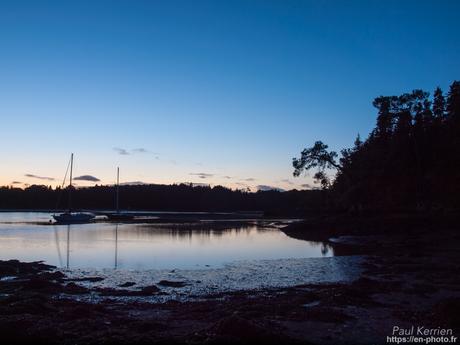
{"x":165,"y":246}
{"x":68,"y":231}
{"x":116,"y":246}
{"x":144,"y":246}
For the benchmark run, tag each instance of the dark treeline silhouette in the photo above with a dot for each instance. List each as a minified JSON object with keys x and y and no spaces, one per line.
{"x":180,"y":197}
{"x":410,"y":161}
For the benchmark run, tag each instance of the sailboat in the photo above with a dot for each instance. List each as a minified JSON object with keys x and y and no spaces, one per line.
{"x":70,"y":217}
{"x":118,"y":215}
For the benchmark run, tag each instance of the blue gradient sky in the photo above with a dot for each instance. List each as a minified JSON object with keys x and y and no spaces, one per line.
{"x":226,"y":88}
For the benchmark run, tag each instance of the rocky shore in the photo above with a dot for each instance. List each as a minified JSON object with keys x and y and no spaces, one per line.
{"x":408,"y":279}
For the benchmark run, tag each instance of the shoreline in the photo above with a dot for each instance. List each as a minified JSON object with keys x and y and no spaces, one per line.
{"x":408,"y":278}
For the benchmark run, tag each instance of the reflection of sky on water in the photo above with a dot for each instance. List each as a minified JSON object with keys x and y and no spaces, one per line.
{"x":135,"y":246}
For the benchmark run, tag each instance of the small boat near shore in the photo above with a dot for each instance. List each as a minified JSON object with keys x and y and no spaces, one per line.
{"x":118,"y":215}
{"x":70,"y":217}
{"x":73,"y":217}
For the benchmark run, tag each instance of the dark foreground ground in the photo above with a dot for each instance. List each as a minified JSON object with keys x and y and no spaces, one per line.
{"x":411,"y":278}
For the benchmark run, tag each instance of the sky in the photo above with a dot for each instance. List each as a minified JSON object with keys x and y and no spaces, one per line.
{"x":214,"y":92}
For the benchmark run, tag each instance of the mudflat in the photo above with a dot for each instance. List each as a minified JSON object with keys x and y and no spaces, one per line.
{"x":406,"y":280}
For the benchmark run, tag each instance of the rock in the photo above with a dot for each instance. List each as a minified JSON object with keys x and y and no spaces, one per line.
{"x":15,"y":267}
{"x":42,"y":285}
{"x":57,"y":275}
{"x":86,"y":279}
{"x":325,"y":314}
{"x":446,"y":313}
{"x":127,"y":284}
{"x":235,"y":329}
{"x":31,"y":304}
{"x":170,"y":283}
{"x":148,"y":290}
{"x":112,"y":292}
{"x":74,"y":289}
{"x":421,"y":289}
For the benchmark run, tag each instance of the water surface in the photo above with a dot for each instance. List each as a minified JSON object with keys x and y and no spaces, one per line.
{"x":103,"y":245}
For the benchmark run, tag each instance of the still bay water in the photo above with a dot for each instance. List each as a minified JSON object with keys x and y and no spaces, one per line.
{"x":26,"y":236}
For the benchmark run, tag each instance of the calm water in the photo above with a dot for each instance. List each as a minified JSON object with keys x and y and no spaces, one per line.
{"x":143,"y":246}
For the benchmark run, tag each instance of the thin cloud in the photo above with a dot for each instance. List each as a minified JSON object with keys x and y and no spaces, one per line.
{"x":140,"y":150}
{"x":40,"y":177}
{"x":87,"y":178}
{"x":227,"y":177}
{"x":263,"y":188}
{"x":126,"y":152}
{"x":306,"y":185}
{"x":202,"y":175}
{"x":249,"y":179}
{"x":287,"y":181}
{"x":121,"y":151}
{"x":16,"y":182}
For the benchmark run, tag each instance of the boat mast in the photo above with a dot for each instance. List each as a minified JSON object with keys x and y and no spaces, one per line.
{"x":70,"y":184}
{"x":118,"y":187}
